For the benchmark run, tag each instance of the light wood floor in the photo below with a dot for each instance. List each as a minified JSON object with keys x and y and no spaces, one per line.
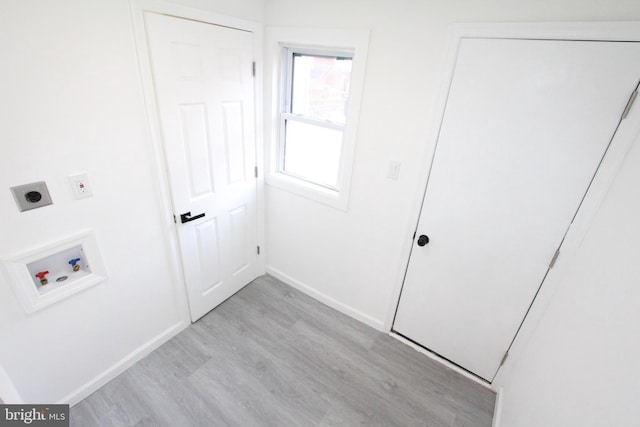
{"x":272,"y":356}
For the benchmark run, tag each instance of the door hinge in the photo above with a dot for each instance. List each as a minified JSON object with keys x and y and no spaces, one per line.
{"x":555,"y":257}
{"x":504,"y":358}
{"x":627,"y":109}
{"x":253,"y":69}
{"x":175,"y":221}
{"x":258,"y":250}
{"x":255,"y":171}
{"x":414,"y":235}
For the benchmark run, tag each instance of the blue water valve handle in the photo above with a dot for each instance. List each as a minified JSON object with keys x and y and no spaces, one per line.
{"x":74,"y":264}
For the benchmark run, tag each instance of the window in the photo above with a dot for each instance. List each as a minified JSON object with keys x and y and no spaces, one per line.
{"x":315,"y":81}
{"x":314,"y":115}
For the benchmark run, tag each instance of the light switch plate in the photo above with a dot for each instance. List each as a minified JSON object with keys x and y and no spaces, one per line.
{"x":31,"y":196}
{"x":394,"y":170}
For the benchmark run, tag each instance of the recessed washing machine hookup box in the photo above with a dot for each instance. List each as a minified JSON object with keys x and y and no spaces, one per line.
{"x":54,"y":271}
{"x":59,"y":269}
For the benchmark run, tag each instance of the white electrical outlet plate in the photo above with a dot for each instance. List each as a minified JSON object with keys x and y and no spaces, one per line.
{"x":81,"y":186}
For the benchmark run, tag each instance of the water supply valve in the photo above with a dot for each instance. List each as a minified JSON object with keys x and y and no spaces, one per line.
{"x":74,"y":264}
{"x":41,"y":276}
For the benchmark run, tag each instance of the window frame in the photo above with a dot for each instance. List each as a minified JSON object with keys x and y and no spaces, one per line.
{"x":286,"y":110}
{"x":342,"y":43}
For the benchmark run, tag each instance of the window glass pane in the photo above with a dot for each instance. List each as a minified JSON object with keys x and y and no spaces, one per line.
{"x":320,"y":87}
{"x":312,"y":153}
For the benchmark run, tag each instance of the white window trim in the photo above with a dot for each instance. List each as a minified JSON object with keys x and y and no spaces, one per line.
{"x":356,"y":43}
{"x":286,"y":107}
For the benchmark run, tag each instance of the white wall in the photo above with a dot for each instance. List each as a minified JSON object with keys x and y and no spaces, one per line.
{"x":72,"y":101}
{"x":355,"y":259}
{"x":8,"y":392}
{"x":580,"y":367}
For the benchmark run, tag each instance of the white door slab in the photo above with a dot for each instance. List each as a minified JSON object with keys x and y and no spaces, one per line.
{"x":525,"y":127}
{"x":204,"y":90}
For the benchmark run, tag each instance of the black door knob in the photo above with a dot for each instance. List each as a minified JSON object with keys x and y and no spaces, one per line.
{"x":423,"y":240}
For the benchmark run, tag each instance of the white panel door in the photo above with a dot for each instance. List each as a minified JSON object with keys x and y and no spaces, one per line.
{"x":204,"y":91}
{"x":525,"y":126}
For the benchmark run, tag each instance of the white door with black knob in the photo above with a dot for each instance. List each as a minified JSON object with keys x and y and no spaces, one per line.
{"x":203,"y":77}
{"x":525,"y":127}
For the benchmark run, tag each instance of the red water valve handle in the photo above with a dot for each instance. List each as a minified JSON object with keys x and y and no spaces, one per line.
{"x":41,"y":276}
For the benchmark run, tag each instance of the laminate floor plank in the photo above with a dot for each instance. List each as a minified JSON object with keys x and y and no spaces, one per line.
{"x":273,"y":356}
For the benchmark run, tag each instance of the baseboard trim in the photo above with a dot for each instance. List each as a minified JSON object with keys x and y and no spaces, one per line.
{"x":497,"y":410}
{"x":327,"y":300}
{"x":125,"y":363}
